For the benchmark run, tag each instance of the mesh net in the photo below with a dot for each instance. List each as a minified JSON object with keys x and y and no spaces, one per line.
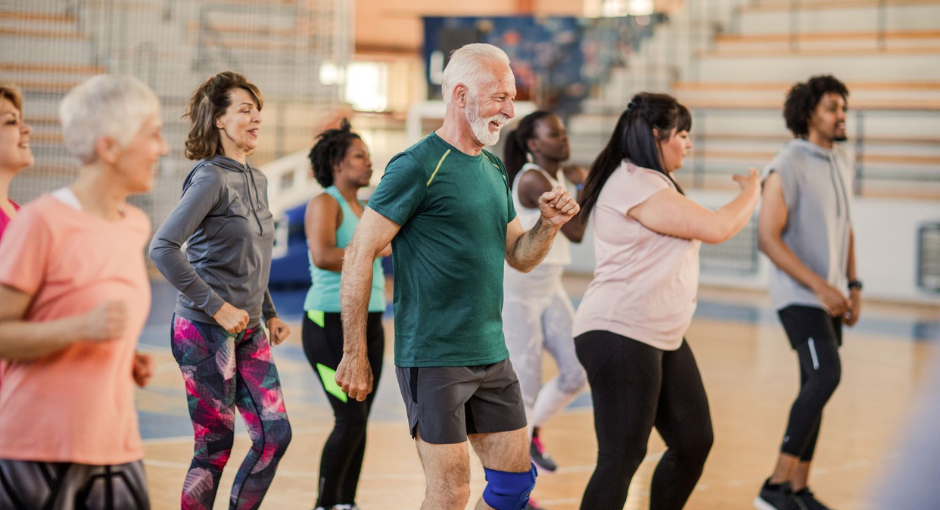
{"x":49,"y":46}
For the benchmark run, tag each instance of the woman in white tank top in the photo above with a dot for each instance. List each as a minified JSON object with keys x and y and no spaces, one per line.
{"x":537,"y":312}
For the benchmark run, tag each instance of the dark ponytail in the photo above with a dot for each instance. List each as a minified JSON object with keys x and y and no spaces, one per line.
{"x":329,"y":151}
{"x":515,"y":153}
{"x":633,"y":139}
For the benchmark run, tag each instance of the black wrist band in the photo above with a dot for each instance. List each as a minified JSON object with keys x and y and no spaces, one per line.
{"x":855,"y":284}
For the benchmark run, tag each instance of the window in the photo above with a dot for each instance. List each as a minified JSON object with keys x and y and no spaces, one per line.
{"x":367,"y":86}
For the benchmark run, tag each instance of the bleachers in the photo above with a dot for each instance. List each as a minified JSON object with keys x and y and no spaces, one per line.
{"x":735,"y":79}
{"x":52,"y":45}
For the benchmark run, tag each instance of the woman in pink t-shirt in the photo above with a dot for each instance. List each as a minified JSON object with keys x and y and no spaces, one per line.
{"x":14,"y":149}
{"x":74,"y":297}
{"x":629,"y":329}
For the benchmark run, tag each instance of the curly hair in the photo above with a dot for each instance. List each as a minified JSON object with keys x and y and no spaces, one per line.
{"x":515,"y":153}
{"x":330,"y":150}
{"x":803,"y":99}
{"x":208,"y":103}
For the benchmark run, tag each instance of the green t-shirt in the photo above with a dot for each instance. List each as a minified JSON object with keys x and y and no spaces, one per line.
{"x":453,"y":210}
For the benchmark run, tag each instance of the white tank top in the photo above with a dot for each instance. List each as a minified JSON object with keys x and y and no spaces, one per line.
{"x":560,"y":254}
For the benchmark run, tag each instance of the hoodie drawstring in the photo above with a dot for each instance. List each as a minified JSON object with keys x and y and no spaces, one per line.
{"x":257,"y":195}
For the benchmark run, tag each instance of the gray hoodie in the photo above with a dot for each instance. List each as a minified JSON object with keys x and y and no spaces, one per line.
{"x":224,"y":220}
{"x":817,"y":186}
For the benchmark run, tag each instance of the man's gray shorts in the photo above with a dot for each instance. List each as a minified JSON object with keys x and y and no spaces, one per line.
{"x":447,"y":403}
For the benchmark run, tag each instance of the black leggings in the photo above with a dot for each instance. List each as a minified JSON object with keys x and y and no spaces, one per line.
{"x":634,"y":387}
{"x":341,"y":461}
{"x":27,"y":485}
{"x":816,"y":337}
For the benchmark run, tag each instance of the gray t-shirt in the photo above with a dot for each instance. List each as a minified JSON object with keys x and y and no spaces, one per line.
{"x":817,"y":189}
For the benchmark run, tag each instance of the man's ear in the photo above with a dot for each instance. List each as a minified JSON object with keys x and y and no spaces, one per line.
{"x":461,"y":93}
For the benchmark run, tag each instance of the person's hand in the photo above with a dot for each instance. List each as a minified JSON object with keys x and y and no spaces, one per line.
{"x":354,"y":376}
{"x":143,"y":369}
{"x":749,"y":183}
{"x":107,"y":321}
{"x":833,"y":300}
{"x":855,"y":307}
{"x":278,"y":330}
{"x":558,"y":206}
{"x":387,"y":251}
{"x":577,"y":174}
{"x":234,"y":320}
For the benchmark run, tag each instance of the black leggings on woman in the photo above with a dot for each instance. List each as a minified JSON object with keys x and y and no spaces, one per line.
{"x":635,"y":387}
{"x":816,"y":337}
{"x":27,"y":485}
{"x":341,"y":461}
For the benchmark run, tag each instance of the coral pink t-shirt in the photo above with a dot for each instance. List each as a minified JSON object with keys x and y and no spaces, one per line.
{"x":75,"y":405}
{"x":4,"y":219}
{"x":645,"y":282}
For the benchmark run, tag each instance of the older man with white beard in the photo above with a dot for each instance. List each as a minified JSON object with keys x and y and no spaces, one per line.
{"x":445,"y":206}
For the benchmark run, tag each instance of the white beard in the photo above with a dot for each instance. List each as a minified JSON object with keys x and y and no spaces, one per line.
{"x":481,"y":127}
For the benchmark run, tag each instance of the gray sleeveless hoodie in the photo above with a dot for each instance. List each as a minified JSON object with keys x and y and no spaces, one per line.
{"x":817,"y":188}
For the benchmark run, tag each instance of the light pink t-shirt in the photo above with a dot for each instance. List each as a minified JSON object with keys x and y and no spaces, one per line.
{"x":645,"y":282}
{"x":75,"y":405}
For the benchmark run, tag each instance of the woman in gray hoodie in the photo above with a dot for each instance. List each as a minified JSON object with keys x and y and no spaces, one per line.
{"x":222,"y":277}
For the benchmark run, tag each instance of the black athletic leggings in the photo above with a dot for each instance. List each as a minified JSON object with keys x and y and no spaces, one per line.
{"x":635,"y":387}
{"x":341,"y":461}
{"x":27,"y":485}
{"x":816,"y":337}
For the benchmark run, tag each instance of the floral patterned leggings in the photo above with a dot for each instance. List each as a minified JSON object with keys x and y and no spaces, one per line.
{"x":224,"y":371}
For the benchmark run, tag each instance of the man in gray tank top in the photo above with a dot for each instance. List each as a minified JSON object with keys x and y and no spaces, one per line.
{"x":805,"y":228}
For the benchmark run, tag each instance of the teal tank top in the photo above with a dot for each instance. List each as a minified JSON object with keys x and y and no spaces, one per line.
{"x":323,"y":295}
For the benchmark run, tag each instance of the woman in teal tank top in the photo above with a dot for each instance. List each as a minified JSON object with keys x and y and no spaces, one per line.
{"x":341,"y":164}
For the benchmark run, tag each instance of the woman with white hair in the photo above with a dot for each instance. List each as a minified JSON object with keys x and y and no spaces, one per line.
{"x":74,"y":297}
{"x":14,"y":148}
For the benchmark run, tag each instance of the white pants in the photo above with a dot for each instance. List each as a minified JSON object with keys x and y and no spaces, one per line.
{"x":537,"y":315}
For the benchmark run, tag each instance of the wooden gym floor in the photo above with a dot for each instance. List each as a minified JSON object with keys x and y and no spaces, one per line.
{"x":750,"y":374}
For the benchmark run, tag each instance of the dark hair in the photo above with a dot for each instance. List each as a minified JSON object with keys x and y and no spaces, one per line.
{"x":515,"y":153}
{"x":208,"y":103}
{"x":633,"y":139}
{"x":329,"y":151}
{"x":803,"y":99}
{"x":13,"y":94}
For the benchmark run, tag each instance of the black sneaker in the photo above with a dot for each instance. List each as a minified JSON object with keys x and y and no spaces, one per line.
{"x":808,"y":499}
{"x":777,"y":497}
{"x":540,"y":457}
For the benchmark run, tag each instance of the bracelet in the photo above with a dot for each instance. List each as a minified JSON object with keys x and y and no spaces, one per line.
{"x":855,"y":284}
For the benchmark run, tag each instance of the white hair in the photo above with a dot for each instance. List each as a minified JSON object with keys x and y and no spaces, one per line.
{"x":104,"y":105}
{"x":466,"y":68}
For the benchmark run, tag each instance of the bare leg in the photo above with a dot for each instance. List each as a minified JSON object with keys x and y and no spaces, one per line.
{"x":502,"y":451}
{"x":447,"y":470}
{"x":786,"y":465}
{"x":800,"y":477}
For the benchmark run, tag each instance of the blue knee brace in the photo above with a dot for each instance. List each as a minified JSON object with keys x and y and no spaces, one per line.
{"x":508,"y":491}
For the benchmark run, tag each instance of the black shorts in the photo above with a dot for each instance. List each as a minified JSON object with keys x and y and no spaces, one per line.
{"x":27,"y":485}
{"x":447,"y":403}
{"x":805,"y":323}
